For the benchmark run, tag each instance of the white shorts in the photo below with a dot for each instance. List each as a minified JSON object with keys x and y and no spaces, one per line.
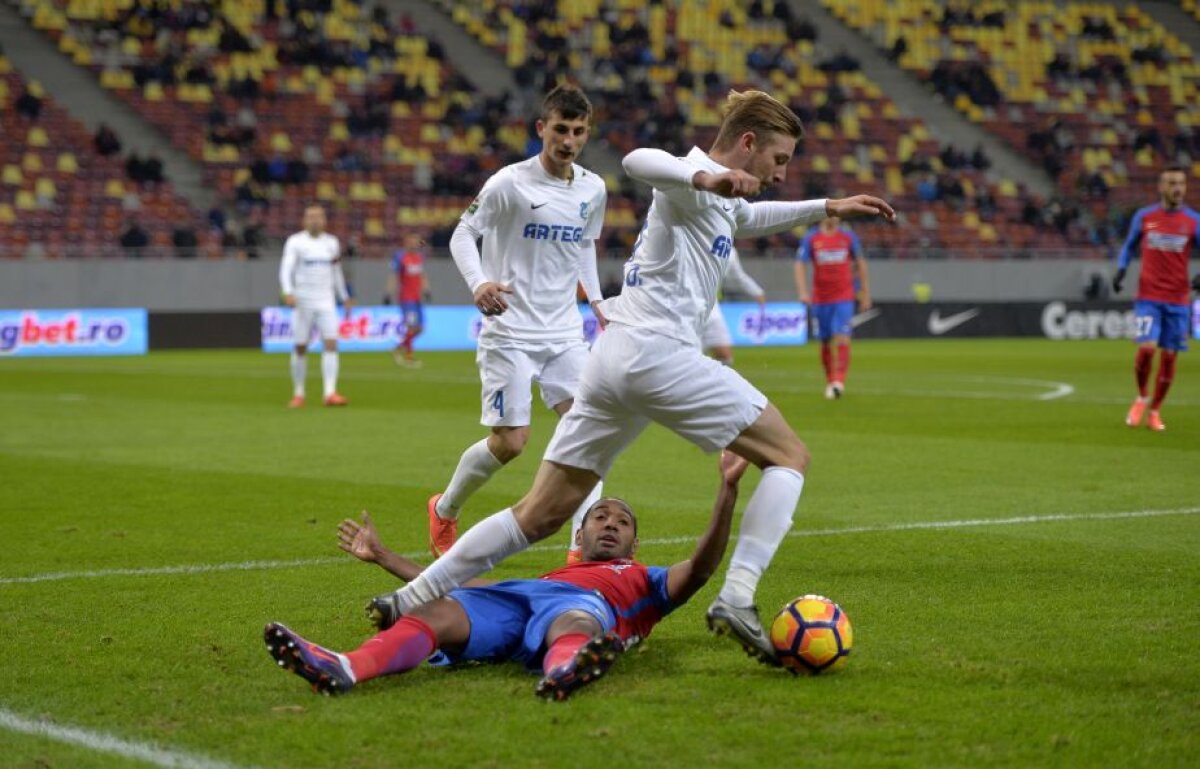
{"x":508,"y":374}
{"x":634,"y":377}
{"x":716,"y":333}
{"x":324,"y":316}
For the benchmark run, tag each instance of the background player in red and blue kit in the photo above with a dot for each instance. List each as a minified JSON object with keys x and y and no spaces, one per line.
{"x":410,"y":283}
{"x":1165,"y":231}
{"x":572,"y":622}
{"x":837,"y":259}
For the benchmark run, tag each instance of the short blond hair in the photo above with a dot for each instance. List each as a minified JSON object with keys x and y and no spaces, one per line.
{"x":759,"y":113}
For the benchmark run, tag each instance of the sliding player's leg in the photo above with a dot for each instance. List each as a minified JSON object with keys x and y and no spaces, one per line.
{"x":405,"y":645}
{"x":579,"y":651}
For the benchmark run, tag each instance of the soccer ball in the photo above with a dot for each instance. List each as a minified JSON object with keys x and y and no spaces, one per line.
{"x":812,"y":635}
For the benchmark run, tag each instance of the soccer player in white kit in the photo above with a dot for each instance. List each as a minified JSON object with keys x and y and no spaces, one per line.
{"x":539,"y":220}
{"x":715,"y":339}
{"x":312,"y":282}
{"x":648,"y":366}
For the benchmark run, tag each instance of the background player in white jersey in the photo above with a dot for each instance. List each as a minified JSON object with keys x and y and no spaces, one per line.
{"x":538,"y":220}
{"x":716,"y":340}
{"x":648,"y":366}
{"x":311,"y":280}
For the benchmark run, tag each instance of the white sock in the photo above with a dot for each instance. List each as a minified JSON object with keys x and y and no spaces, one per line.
{"x":299,"y":372}
{"x":577,"y":519}
{"x":483,"y":546}
{"x":765,"y":523}
{"x":329,"y":371}
{"x":475,"y":467}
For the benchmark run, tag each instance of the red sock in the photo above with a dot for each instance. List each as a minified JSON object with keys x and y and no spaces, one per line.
{"x":1141,"y":368}
{"x":401,"y":647}
{"x":843,"y":361}
{"x":409,"y":336}
{"x":563,"y":650}
{"x":827,"y":360}
{"x":1166,"y":375}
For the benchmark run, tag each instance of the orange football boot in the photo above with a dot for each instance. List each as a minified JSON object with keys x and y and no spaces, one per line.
{"x":333,"y":399}
{"x":1136,"y":412}
{"x":442,"y":531}
{"x":1156,"y":423}
{"x":296,"y":402}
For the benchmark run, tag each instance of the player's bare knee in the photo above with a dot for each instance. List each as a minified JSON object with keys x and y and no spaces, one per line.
{"x":506,"y":444}
{"x":573,"y":622}
{"x":330,"y":345}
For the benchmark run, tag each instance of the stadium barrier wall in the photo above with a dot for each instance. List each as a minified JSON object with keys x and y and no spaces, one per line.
{"x":379,"y":328}
{"x":456,"y":327}
{"x":182,"y":285}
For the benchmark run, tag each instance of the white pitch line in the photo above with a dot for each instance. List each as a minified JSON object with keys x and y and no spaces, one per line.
{"x":106,"y":743}
{"x":681,"y":540}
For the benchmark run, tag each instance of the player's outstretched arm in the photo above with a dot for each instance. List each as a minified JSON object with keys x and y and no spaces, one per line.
{"x":361,"y":540}
{"x":860,"y":207}
{"x":685,"y":578}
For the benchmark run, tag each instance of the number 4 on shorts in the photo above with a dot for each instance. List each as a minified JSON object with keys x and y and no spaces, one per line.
{"x":498,"y":403}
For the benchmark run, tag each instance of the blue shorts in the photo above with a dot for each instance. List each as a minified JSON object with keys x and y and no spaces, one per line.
{"x":413,"y":312}
{"x":1164,"y":324}
{"x":509,"y":620}
{"x":833,"y":319}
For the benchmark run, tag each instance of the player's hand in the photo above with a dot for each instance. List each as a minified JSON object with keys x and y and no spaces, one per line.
{"x":859,"y":207}
{"x":1118,"y":279}
{"x":733,"y":467}
{"x":865,"y":303}
{"x":489,"y":298}
{"x":289,"y":300}
{"x":360,"y":540}
{"x":761,"y":299}
{"x":728,"y":184}
{"x":603,"y":321}
{"x":347,"y":308}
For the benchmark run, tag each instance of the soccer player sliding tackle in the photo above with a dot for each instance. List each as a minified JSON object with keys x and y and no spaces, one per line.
{"x":571,"y":623}
{"x":648,"y":365}
{"x":539,"y":220}
{"x":1165,"y":231}
{"x":312,"y":282}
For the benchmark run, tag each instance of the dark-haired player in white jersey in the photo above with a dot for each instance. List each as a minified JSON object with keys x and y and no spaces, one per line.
{"x":538,"y":220}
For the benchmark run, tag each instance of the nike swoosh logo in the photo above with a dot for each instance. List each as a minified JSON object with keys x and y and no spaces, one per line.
{"x":939,"y":325}
{"x":865,"y":317}
{"x":536,"y":206}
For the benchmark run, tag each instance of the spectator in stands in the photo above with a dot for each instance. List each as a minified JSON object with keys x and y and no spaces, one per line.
{"x":105,"y":141}
{"x":842,"y":61}
{"x":297,"y":171}
{"x":134,"y":168}
{"x":1097,"y":28}
{"x":152,"y":170}
{"x":979,"y":159}
{"x":899,"y":48}
{"x":29,"y":104}
{"x":183,"y":237}
{"x":134,"y":239}
{"x":927,"y":189}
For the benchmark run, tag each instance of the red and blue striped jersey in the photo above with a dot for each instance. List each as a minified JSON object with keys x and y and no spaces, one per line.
{"x":1165,"y":236}
{"x":409,"y":267}
{"x":636,"y":593}
{"x":832,"y":256}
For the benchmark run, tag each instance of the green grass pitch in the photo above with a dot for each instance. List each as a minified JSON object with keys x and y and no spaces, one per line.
{"x":1062,"y":642}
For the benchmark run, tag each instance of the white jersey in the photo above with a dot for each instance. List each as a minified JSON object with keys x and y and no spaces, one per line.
{"x":311,"y":269}
{"x":683,"y":251}
{"x":738,"y":279}
{"x":537,"y":229}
